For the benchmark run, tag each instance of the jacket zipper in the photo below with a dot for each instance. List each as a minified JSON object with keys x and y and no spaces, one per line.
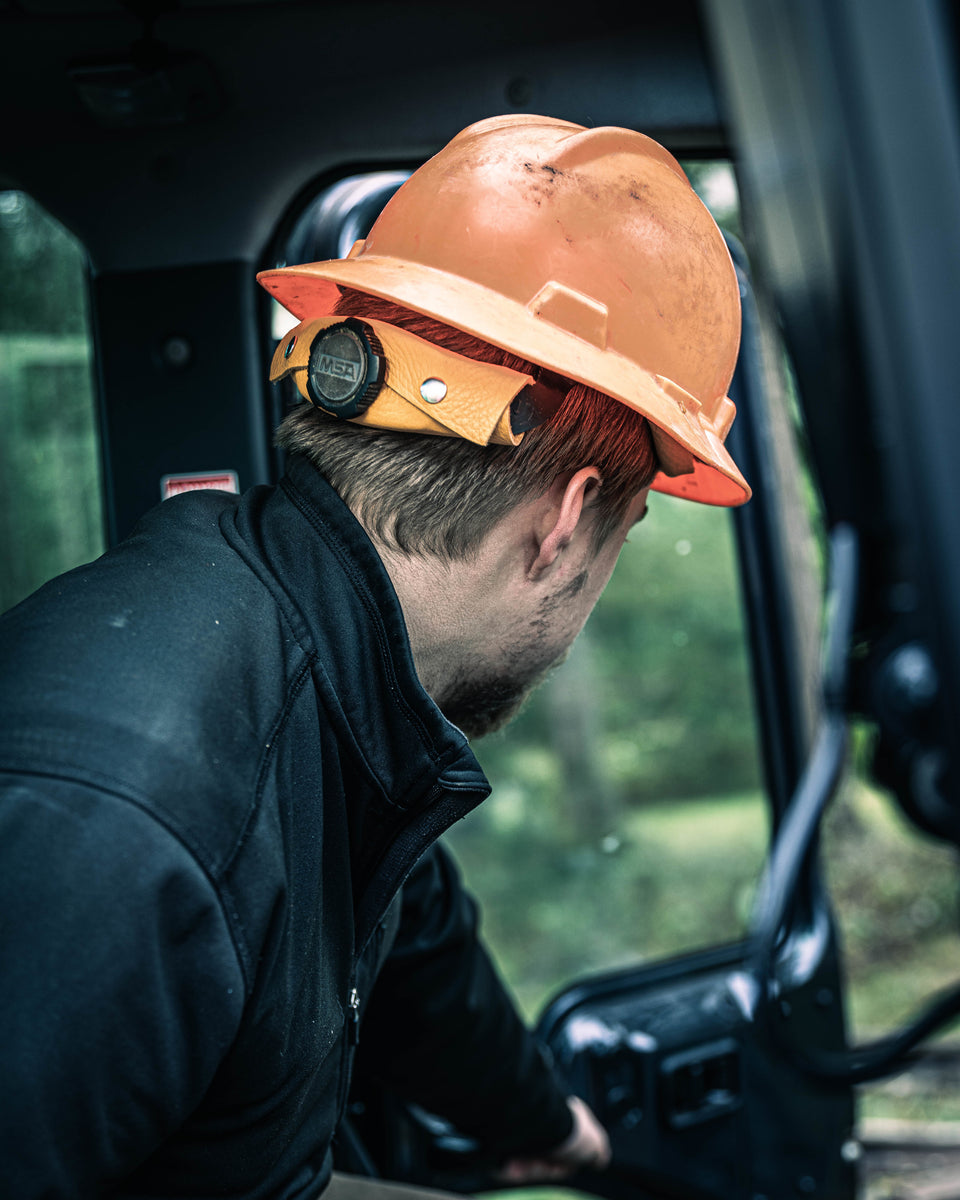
{"x":353,"y":1017}
{"x":352,"y":1030}
{"x":381,"y":892}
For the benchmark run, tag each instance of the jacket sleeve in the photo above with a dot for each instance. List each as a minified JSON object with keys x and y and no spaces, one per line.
{"x":442,"y":1030}
{"x":120,"y":987}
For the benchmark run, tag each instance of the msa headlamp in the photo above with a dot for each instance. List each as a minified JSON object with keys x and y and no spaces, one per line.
{"x":378,"y":375}
{"x":345,"y":369}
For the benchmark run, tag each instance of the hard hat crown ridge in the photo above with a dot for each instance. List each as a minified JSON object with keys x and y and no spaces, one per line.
{"x":585,"y":251}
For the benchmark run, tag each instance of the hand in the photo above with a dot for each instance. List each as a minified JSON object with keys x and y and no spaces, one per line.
{"x":587,"y":1146}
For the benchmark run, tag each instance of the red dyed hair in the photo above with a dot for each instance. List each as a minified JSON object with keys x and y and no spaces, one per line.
{"x":439,"y":495}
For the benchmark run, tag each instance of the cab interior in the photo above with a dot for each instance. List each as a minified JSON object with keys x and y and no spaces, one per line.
{"x":764,"y":722}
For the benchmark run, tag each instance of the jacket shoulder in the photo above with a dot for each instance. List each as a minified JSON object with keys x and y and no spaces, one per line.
{"x":162,"y":670}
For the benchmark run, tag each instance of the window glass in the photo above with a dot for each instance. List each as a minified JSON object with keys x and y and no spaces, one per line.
{"x":627,"y":820}
{"x":50,"y":489}
{"x":894,"y":890}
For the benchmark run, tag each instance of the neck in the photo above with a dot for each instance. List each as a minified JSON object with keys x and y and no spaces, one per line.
{"x":435,"y":599}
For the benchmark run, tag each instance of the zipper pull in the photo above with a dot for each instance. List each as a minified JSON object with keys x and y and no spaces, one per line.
{"x":353,"y":1017}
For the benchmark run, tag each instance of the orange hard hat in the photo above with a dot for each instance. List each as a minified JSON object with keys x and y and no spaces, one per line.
{"x":584,"y":251}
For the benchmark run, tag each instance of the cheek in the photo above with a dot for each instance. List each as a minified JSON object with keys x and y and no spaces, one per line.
{"x":600,"y":575}
{"x":584,"y":605}
{"x":597,"y":579}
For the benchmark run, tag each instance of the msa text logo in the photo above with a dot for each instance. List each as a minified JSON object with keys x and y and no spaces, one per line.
{"x":340,"y":368}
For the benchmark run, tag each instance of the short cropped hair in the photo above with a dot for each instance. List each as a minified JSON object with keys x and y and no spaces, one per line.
{"x":424,"y":494}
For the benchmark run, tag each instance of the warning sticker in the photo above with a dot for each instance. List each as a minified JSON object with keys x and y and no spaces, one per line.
{"x":173,"y":485}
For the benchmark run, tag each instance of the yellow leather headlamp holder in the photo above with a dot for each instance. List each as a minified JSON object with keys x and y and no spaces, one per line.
{"x":375,"y":374}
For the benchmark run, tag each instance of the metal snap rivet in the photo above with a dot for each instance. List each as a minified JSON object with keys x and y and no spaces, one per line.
{"x":433,"y":390}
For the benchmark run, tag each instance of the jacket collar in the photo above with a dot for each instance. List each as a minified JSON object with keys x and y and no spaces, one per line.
{"x":353,"y":620}
{"x":423,"y":776}
{"x":327,"y":575}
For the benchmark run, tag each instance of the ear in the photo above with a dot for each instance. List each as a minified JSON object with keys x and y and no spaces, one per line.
{"x":563,"y":514}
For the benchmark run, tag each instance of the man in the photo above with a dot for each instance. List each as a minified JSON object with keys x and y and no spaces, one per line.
{"x":229,"y":746}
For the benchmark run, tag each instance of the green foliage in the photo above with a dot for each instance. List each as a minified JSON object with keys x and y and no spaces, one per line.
{"x":894,"y":890}
{"x":627,"y":821}
{"x":670,"y":693}
{"x":50,"y":491}
{"x":667,"y":878}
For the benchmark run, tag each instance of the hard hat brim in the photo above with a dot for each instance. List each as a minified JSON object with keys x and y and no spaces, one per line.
{"x":313,"y":288}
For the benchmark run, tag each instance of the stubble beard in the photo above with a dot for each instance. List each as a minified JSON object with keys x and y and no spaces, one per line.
{"x":481,"y":701}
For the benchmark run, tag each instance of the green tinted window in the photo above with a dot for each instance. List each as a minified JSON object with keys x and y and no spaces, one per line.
{"x":50,"y":489}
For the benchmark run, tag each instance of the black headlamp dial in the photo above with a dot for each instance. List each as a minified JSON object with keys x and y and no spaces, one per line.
{"x":345,"y":369}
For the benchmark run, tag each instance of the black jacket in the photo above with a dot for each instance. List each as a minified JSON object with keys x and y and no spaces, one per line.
{"x":217,"y":767}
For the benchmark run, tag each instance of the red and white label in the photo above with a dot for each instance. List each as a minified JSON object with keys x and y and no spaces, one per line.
{"x":173,"y":485}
